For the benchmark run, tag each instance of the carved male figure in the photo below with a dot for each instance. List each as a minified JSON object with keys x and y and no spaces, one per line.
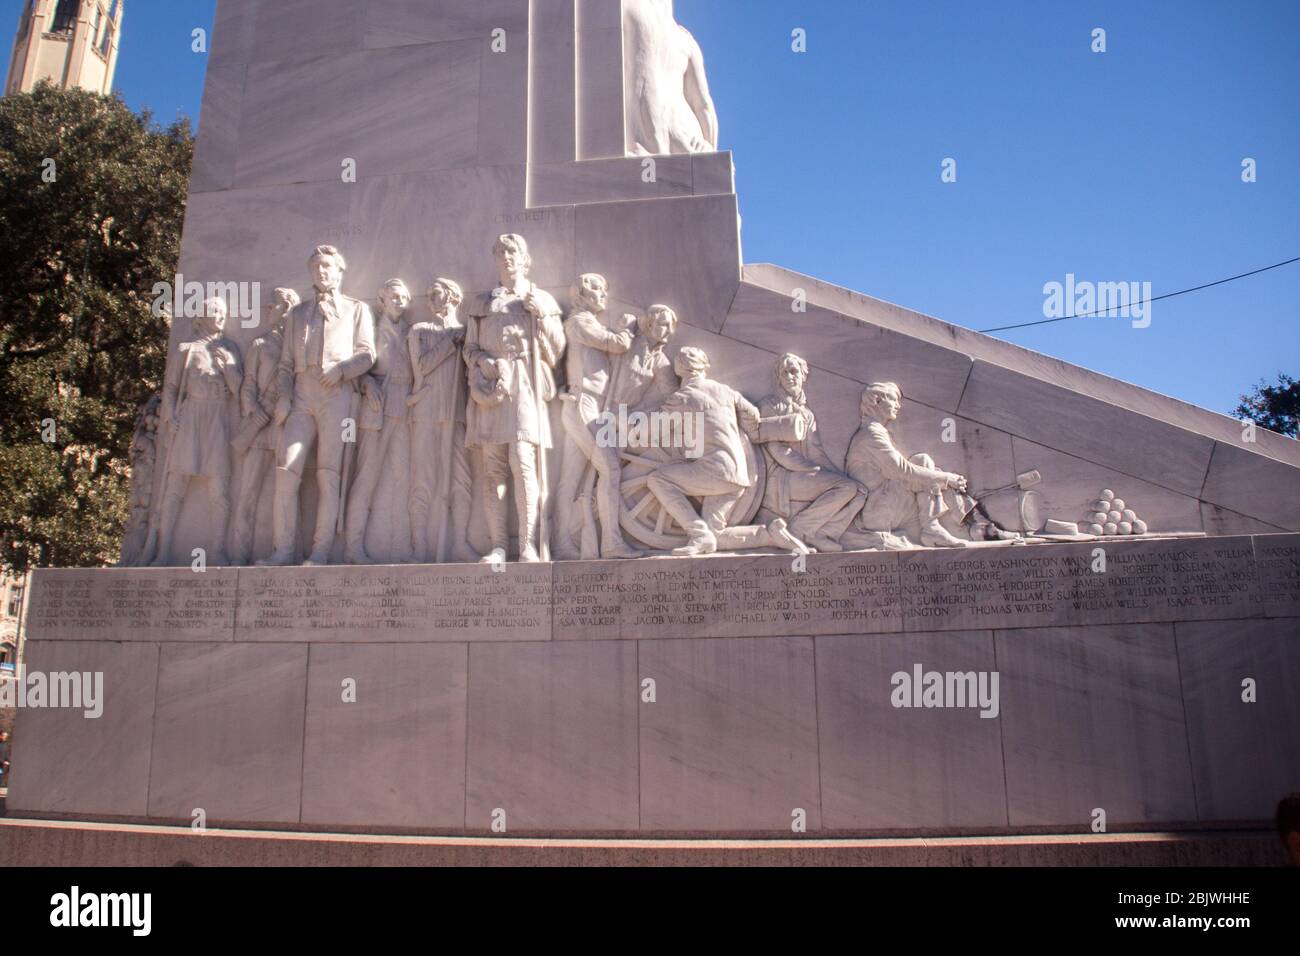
{"x":384,"y":449}
{"x":595,"y":360}
{"x":668,"y":106}
{"x":802,"y":485}
{"x":195,"y":405}
{"x":905,"y":496}
{"x":329,"y":342}
{"x":720,"y":476}
{"x":647,"y":378}
{"x":258,"y":437}
{"x":512,"y":346}
{"x":439,"y":466}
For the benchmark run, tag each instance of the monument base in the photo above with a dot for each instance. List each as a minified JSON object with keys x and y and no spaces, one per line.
{"x":1133,"y":684}
{"x":37,"y":843}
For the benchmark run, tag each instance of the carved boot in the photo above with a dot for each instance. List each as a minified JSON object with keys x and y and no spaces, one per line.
{"x":358,"y":518}
{"x":782,"y":538}
{"x":420,"y":553}
{"x":460,"y":551}
{"x":815,"y":538}
{"x":494,"y":512}
{"x":823,"y":544}
{"x":700,"y":540}
{"x":284,"y":518}
{"x":528,"y":506}
{"x":612,"y":544}
{"x":327,"y":516}
{"x":935,"y":535}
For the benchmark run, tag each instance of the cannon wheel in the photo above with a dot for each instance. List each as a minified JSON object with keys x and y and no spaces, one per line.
{"x":646,"y":521}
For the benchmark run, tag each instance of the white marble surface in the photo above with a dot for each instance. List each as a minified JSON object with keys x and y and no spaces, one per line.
{"x":1244,"y":481}
{"x":1092,"y":717}
{"x":553,"y":736}
{"x":417,"y":109}
{"x":399,"y":22}
{"x":64,"y":762}
{"x":608,"y":180}
{"x":886,"y":768}
{"x":731,"y":741}
{"x":863,"y":352}
{"x":1071,"y":484}
{"x":684,"y":250}
{"x":317,"y":28}
{"x":1146,"y":448}
{"x":228,"y":732}
{"x":216,"y":149}
{"x":553,"y":84}
{"x":1245,"y":756}
{"x":394,"y":755}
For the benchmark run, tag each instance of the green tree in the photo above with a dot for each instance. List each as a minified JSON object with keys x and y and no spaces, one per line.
{"x":1275,"y":407}
{"x":92,"y":198}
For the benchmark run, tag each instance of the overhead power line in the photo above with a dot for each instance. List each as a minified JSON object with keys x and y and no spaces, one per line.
{"x":1168,"y":295}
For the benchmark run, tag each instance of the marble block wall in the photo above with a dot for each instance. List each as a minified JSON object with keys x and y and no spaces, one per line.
{"x":725,"y":695}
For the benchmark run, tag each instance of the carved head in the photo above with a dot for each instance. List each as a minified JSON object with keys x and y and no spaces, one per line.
{"x":282,"y":302}
{"x":513,"y":260}
{"x":659,"y":324}
{"x":213,"y":320}
{"x":327,"y":267}
{"x":444,"y":295}
{"x":691,"y":361}
{"x":791,"y":374}
{"x":394,"y":298}
{"x":881,"y":401}
{"x":591,"y":293}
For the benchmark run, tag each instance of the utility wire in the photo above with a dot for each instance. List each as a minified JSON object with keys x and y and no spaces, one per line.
{"x":1168,"y":295}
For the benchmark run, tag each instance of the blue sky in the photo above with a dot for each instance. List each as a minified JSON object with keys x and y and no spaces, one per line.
{"x":1115,"y":166}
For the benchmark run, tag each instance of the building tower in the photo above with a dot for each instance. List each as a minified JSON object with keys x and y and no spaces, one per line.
{"x":71,"y":43}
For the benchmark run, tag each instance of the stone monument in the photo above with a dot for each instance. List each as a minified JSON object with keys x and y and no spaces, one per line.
{"x":880,"y":594}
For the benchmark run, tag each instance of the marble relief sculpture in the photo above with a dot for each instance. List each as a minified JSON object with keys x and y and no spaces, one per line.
{"x":908,"y":498}
{"x":395,"y":409}
{"x":384,"y":438}
{"x":598,"y":345}
{"x":668,"y":106}
{"x":258,"y":436}
{"x":329,"y":343}
{"x":194,"y":405}
{"x":648,"y":377}
{"x":514,"y":342}
{"x":721,"y":474}
{"x":143,"y":459}
{"x":817,"y":499}
{"x":440,"y":473}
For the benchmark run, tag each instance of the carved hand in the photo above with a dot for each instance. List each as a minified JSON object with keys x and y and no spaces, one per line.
{"x":531,"y":303}
{"x":957,"y":482}
{"x":332,"y":377}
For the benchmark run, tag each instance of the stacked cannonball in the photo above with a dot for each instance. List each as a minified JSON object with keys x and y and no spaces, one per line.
{"x":1111,"y":515}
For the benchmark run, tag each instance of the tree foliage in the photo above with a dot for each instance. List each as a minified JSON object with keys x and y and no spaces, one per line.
{"x":82,"y":241}
{"x":1275,"y":407}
